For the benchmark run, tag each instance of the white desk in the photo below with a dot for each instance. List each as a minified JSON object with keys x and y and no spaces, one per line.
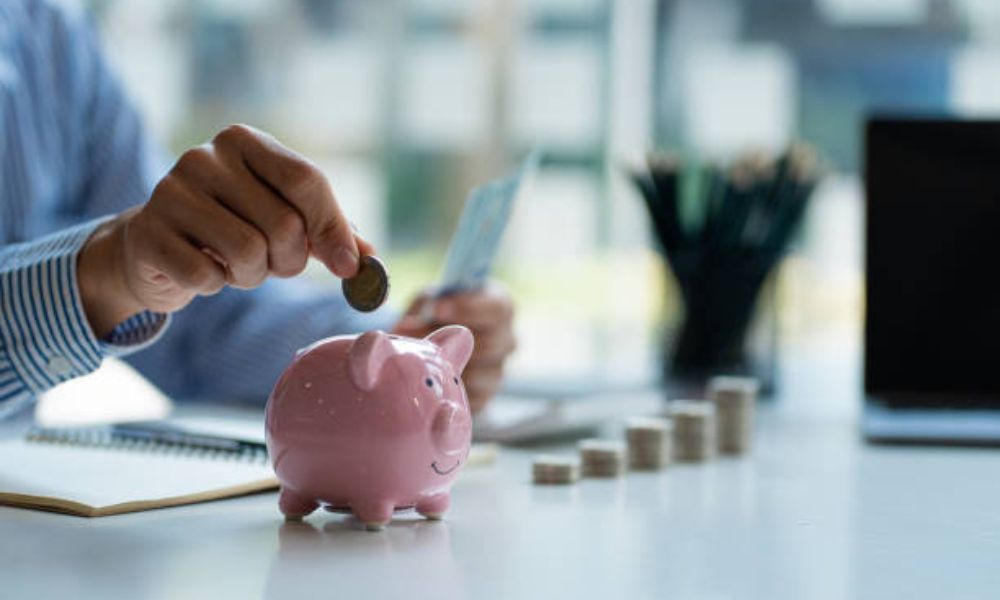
{"x":814,"y":514}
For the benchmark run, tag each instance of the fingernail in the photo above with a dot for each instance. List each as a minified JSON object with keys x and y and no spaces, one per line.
{"x":345,"y":262}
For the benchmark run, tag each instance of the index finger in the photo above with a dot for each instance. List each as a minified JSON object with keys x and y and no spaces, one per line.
{"x":300,"y":183}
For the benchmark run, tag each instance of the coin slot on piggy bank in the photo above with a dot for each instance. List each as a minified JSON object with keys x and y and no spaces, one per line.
{"x":371,"y":424}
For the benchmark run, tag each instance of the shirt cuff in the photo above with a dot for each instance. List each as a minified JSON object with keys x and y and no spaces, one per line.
{"x":44,"y":333}
{"x":135,"y":333}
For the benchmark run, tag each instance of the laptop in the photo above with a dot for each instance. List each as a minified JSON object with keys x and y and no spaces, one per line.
{"x":932,"y":319}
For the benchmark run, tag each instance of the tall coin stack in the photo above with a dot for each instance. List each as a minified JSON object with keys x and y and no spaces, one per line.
{"x":694,"y":430}
{"x":602,"y":458}
{"x":649,"y":443}
{"x":735,"y":399}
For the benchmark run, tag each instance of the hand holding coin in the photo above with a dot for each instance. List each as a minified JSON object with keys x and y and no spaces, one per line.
{"x":231,"y":212}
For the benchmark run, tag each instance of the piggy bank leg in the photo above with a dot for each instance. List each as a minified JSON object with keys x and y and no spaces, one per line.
{"x":375,"y":515}
{"x":433,"y":507}
{"x":295,"y":506}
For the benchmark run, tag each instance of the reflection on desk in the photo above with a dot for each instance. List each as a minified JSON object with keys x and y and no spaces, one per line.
{"x":413,"y":547}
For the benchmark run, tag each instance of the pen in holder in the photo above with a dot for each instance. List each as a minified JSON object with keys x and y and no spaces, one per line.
{"x":721,"y":232}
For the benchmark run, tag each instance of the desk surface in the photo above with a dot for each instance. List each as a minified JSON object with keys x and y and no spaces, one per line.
{"x":812,"y":514}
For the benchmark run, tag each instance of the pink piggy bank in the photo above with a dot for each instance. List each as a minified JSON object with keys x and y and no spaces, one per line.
{"x":371,"y":424}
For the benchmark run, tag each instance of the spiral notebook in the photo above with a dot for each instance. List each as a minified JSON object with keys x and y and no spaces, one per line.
{"x":91,"y":473}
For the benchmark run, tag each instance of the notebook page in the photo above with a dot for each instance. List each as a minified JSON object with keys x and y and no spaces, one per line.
{"x":103,"y":477}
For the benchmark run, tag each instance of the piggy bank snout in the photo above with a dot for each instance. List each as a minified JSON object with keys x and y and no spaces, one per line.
{"x":451,"y":429}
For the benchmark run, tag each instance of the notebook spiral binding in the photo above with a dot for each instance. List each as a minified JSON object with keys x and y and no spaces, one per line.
{"x":107,"y":438}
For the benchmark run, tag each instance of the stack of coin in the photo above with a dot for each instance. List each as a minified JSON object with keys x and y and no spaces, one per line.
{"x":694,"y":430}
{"x":735,"y":399}
{"x":547,"y":469}
{"x":602,"y":458}
{"x":649,"y":443}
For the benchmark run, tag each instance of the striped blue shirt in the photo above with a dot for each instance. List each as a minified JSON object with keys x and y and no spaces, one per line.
{"x":72,"y":152}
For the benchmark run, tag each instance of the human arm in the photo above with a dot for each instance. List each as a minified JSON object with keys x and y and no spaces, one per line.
{"x":45,"y":337}
{"x":121,"y":168}
{"x":71,"y":153}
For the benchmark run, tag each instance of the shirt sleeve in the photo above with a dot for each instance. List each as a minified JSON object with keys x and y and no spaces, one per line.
{"x":119,"y":162}
{"x":231,"y":347}
{"x":45,"y":337}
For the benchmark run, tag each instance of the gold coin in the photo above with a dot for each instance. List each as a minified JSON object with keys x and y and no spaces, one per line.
{"x":369,"y":288}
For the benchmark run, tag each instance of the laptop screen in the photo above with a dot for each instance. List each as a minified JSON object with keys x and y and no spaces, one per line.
{"x":932,"y":323}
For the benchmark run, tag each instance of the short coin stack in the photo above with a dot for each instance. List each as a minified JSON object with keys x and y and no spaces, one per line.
{"x":694,"y":430}
{"x":559,"y":470}
{"x":735,"y":399}
{"x":649,"y":443}
{"x":602,"y":458}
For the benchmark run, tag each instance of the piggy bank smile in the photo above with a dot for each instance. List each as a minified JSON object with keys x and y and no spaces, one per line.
{"x":445,"y":471}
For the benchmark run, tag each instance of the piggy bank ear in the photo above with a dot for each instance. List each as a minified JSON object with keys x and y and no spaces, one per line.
{"x":367,"y":357}
{"x":456,"y":345}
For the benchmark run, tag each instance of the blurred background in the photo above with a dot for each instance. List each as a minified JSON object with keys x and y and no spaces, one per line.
{"x":409,"y":103}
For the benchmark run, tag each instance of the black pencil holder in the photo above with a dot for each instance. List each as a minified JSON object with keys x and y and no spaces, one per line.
{"x":722,"y":232}
{"x":727,"y":326}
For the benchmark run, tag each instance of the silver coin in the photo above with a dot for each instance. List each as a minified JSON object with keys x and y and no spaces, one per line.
{"x":369,"y":288}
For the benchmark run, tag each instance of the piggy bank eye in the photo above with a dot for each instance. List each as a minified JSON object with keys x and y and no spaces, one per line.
{"x":455,"y":379}
{"x":429,"y":382}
